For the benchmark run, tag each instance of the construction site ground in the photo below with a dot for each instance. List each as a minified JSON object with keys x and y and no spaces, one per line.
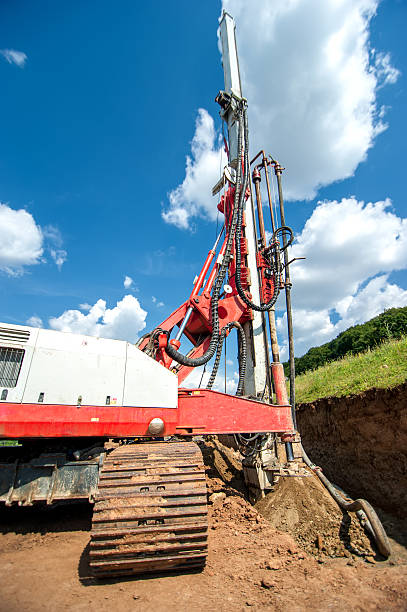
{"x":295,"y":550}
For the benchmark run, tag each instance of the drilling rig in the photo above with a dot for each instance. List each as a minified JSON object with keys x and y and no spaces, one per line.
{"x":110,"y":422}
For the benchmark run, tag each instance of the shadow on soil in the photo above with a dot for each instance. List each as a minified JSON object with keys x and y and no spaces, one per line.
{"x":218,"y":464}
{"x":87,"y":579}
{"x":46,"y":519}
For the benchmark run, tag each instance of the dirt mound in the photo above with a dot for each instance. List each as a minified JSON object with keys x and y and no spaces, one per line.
{"x":300,"y":506}
{"x":303,"y":508}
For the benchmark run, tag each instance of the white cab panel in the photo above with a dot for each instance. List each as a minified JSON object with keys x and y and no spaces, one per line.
{"x":64,"y":368}
{"x":146,"y":378}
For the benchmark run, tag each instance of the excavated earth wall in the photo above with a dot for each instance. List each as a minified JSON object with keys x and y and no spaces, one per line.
{"x":360,"y":442}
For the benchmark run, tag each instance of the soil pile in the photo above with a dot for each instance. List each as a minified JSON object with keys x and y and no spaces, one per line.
{"x":303,"y":508}
{"x":300,"y":506}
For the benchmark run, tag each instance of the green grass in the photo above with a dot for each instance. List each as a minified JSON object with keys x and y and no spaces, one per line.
{"x":9,"y":443}
{"x":382,"y":367}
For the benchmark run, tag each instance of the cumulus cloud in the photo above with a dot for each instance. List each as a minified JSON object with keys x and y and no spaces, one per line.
{"x":194,"y":196}
{"x":350,"y":249}
{"x":345,"y":243}
{"x":14,"y":57}
{"x":311,"y":83}
{"x":53,"y":234}
{"x":311,"y":80}
{"x":21,"y":240}
{"x":386,"y":74}
{"x":378,"y":295}
{"x":122,"y":322}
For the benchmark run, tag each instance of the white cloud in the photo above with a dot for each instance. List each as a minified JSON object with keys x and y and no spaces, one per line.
{"x":194,"y":196}
{"x":53,"y":234}
{"x":35,"y":321}
{"x":14,"y":57}
{"x":311,"y":82}
{"x":59,"y":256}
{"x":311,"y":85}
{"x":345,"y":243}
{"x":157,"y":302}
{"x":54,"y":242}
{"x":371,"y":301}
{"x":123,"y":322}
{"x":386,"y":74}
{"x":194,"y":380}
{"x":350,"y":249}
{"x":128,"y":282}
{"x":21,"y":240}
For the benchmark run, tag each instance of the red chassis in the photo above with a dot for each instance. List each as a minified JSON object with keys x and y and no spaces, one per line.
{"x":199,"y":411}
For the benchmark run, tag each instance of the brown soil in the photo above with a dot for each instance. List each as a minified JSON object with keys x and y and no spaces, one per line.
{"x":44,"y":560}
{"x":302,"y":507}
{"x":360,"y":442}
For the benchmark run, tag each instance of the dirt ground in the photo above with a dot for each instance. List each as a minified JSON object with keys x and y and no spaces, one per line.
{"x":251,"y":564}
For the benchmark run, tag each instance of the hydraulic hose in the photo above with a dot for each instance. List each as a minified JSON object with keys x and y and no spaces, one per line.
{"x":242,"y":356}
{"x":363,"y":509}
{"x":276,"y":266}
{"x":240,"y":190}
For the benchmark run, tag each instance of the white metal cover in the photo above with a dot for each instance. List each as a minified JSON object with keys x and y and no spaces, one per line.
{"x":64,"y":368}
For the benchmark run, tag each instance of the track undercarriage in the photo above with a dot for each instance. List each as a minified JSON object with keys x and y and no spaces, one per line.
{"x":150,"y":513}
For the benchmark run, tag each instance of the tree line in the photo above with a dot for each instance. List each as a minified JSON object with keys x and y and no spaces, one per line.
{"x":392,"y":323}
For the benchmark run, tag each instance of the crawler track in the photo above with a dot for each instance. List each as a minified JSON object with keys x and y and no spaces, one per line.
{"x":150,"y":513}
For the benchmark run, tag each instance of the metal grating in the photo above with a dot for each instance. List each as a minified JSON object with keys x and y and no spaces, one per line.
{"x":10,"y":366}
{"x":14,"y":334}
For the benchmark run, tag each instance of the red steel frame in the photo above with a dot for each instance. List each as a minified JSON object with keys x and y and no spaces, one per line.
{"x":231,"y":307}
{"x":200,"y":411}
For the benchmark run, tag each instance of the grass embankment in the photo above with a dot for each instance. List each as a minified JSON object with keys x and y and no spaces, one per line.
{"x":382,"y":367}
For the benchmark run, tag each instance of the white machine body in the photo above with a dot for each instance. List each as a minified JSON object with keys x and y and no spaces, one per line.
{"x":53,"y":367}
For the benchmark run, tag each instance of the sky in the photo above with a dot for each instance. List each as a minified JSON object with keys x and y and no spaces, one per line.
{"x":111,"y":143}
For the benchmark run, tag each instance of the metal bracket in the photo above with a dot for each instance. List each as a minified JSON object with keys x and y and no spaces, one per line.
{"x":227,"y":176}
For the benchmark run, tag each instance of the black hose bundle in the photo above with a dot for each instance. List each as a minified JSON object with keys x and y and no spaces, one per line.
{"x":250,"y":444}
{"x":234,"y":234}
{"x":240,"y":189}
{"x":274,"y":262}
{"x":242,"y":356}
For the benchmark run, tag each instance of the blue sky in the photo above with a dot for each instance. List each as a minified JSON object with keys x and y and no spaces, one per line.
{"x":100,"y":106}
